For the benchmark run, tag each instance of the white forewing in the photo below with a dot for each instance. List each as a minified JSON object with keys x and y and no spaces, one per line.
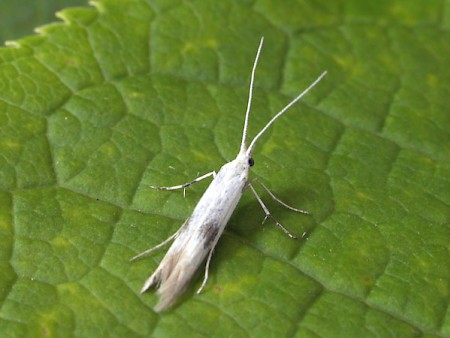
{"x":199,"y":233}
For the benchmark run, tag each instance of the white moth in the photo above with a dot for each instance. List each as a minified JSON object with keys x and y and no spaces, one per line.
{"x":198,"y":236}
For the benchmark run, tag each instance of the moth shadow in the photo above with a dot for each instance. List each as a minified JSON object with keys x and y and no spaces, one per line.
{"x":248,"y":219}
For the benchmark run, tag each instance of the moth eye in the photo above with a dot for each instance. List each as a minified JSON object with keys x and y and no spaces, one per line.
{"x":251,"y":163}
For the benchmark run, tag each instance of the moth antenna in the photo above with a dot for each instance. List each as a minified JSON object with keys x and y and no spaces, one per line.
{"x":289,"y":105}
{"x":250,"y":94}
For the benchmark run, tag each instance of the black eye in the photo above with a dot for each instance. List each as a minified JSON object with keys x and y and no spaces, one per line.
{"x":251,"y":162}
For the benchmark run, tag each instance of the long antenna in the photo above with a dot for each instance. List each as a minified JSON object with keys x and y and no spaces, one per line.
{"x":252,"y":145}
{"x":250,"y":94}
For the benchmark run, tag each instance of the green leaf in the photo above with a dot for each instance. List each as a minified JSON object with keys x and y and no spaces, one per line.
{"x":126,"y":94}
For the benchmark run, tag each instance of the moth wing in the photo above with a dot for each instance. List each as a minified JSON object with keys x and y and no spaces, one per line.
{"x":179,"y":265}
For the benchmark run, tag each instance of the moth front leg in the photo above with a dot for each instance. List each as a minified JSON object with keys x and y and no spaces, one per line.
{"x":268,"y":214}
{"x":278,"y":200}
{"x":185,"y":185}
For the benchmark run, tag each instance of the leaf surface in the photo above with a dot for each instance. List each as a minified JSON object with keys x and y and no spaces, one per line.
{"x":127,"y":94}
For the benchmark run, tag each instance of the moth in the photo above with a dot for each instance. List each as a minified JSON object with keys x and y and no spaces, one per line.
{"x":198,"y":236}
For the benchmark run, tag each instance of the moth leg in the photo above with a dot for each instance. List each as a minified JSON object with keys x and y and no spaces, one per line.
{"x":280,"y":201}
{"x":205,"y":279}
{"x":185,"y":185}
{"x":268,"y":214}
{"x":156,"y":247}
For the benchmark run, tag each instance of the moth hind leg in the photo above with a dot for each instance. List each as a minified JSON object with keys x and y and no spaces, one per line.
{"x":205,"y":279}
{"x":156,"y":247}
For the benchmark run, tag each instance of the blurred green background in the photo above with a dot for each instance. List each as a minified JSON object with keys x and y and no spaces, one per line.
{"x":19,"y":18}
